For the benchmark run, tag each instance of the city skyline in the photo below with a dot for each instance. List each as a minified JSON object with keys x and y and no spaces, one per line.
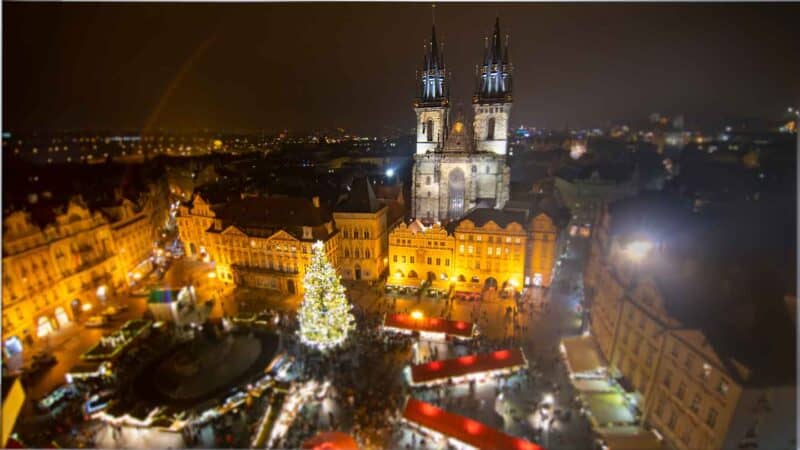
{"x":325,"y":66}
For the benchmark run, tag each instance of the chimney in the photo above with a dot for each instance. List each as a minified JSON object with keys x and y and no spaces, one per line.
{"x":315,"y":201}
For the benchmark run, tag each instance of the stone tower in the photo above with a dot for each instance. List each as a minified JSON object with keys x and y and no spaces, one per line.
{"x":432,"y":104}
{"x":492,"y":99}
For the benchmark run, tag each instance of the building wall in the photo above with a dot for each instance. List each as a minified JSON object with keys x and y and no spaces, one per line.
{"x":685,"y":390}
{"x":542,"y":248}
{"x":438,"y":115}
{"x":485,"y":176}
{"x":277,"y":261}
{"x":50,"y":273}
{"x":477,"y":258}
{"x":364,"y":244}
{"x":500,"y":112}
{"x":416,"y":254}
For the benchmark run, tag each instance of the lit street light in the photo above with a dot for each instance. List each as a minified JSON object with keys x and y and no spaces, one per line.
{"x":638,"y":250}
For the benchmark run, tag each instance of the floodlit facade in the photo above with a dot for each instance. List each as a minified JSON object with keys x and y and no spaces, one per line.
{"x":363,"y":222}
{"x":457,"y":167}
{"x":486,"y":249}
{"x":69,"y":261}
{"x":259,"y":242}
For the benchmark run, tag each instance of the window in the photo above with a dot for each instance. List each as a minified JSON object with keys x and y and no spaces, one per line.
{"x":438,"y":262}
{"x":366,"y":235}
{"x":491,"y":239}
{"x":477,"y":264}
{"x":681,"y":391}
{"x":429,"y":260}
{"x":404,"y":259}
{"x":366,"y":253}
{"x":355,"y":234}
{"x":695,"y":406}
{"x":478,"y":238}
{"x":447,"y":262}
{"x":474,"y":169}
{"x":347,"y":253}
{"x":394,"y":258}
{"x":497,"y":251}
{"x":470,"y":249}
{"x":711,"y":419}
{"x":461,"y":249}
{"x":411,"y":259}
{"x":490,"y":129}
{"x":722,"y":387}
{"x":428,"y":181}
{"x":489,"y":251}
{"x":487,"y":170}
{"x":706,"y":371}
{"x":429,"y":130}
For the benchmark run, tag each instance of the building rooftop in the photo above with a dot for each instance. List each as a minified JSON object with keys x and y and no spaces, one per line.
{"x":481,"y":216}
{"x":361,"y":198}
{"x":265,"y":216}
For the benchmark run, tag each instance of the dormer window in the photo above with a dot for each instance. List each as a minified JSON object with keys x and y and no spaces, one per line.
{"x":307,"y":233}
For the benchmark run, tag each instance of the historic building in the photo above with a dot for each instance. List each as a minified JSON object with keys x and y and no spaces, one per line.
{"x":487,"y":250}
{"x":684,"y":337}
{"x":259,"y":242}
{"x":364,"y":222}
{"x":60,"y":261}
{"x":458,"y":167}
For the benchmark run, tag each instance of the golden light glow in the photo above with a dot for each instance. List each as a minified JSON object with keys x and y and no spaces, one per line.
{"x":86,"y":307}
{"x":212,"y":275}
{"x":458,"y":127}
{"x":417,"y":314}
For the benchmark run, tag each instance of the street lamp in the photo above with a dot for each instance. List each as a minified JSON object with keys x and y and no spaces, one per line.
{"x":638,"y":250}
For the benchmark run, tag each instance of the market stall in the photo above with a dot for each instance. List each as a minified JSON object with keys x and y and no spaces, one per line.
{"x":469,"y":367}
{"x":582,"y":357}
{"x":460,"y":431}
{"x":436,"y":326}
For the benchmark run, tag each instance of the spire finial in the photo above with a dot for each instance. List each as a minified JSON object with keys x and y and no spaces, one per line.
{"x":433,"y":13}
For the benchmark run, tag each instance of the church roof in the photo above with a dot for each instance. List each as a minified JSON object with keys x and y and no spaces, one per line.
{"x":481,"y":216}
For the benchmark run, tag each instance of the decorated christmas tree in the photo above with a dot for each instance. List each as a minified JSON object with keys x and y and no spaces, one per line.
{"x":324,"y":316}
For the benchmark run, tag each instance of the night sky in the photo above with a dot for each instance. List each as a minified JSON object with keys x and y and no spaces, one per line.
{"x":306,"y":66}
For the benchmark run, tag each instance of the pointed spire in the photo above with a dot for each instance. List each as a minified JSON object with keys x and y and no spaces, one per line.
{"x":506,"y":58}
{"x":494,"y":77}
{"x":433,"y":79}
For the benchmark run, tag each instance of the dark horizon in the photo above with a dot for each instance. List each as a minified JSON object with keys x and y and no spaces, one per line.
{"x":316,"y":66}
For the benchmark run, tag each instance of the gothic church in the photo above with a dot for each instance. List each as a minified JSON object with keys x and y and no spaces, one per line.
{"x":458,"y":167}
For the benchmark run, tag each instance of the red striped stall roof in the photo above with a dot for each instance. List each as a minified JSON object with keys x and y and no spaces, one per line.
{"x":429,"y":324}
{"x":465,"y":365}
{"x":463,"y":429}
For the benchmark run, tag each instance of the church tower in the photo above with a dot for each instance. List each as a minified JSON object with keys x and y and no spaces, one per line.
{"x":492,"y":99}
{"x":432,"y":104}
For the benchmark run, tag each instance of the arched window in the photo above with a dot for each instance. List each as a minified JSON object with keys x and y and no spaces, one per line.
{"x":346,"y":253}
{"x":366,"y":235}
{"x":430,"y":130}
{"x":366,"y":253}
{"x":356,"y":254}
{"x":355,"y":234}
{"x":490,"y":129}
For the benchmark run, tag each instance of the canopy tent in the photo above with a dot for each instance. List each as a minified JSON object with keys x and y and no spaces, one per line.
{"x":441,"y":370}
{"x":331,"y":440}
{"x":593,"y":385}
{"x":638,"y":440}
{"x":462,"y":429}
{"x":608,"y":410}
{"x":582,"y":357}
{"x":407,"y":322}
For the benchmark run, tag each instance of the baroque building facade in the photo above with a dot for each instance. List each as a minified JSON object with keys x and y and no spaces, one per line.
{"x":62,"y":261}
{"x":458,"y":167}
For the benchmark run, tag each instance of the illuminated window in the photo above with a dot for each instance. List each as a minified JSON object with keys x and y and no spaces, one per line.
{"x":447,"y":262}
{"x":461,"y":249}
{"x":429,"y":260}
{"x":394,"y":258}
{"x":489,"y":251}
{"x":438,"y":261}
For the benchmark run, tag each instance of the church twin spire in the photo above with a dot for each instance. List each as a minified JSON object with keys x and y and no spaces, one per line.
{"x":434,"y":80}
{"x":493,"y":77}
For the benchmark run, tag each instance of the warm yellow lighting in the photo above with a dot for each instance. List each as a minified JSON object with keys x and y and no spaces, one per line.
{"x":212,"y":275}
{"x":86,"y":307}
{"x":417,"y":314}
{"x":637,"y":250}
{"x":458,"y":127}
{"x":137,"y":276}
{"x":398,"y":274}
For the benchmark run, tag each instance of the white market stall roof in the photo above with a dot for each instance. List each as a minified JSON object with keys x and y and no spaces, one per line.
{"x":582,"y":354}
{"x":638,"y":440}
{"x":608,"y":409}
{"x":593,"y":385}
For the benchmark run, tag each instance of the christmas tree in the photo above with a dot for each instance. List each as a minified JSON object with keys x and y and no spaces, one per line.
{"x":324,"y":316}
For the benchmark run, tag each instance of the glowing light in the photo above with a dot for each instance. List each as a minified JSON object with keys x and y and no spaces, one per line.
{"x":417,"y":314}
{"x":86,"y":307}
{"x":212,"y":275}
{"x":389,"y":173}
{"x":548,"y":399}
{"x":473,"y":427}
{"x":638,"y":250}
